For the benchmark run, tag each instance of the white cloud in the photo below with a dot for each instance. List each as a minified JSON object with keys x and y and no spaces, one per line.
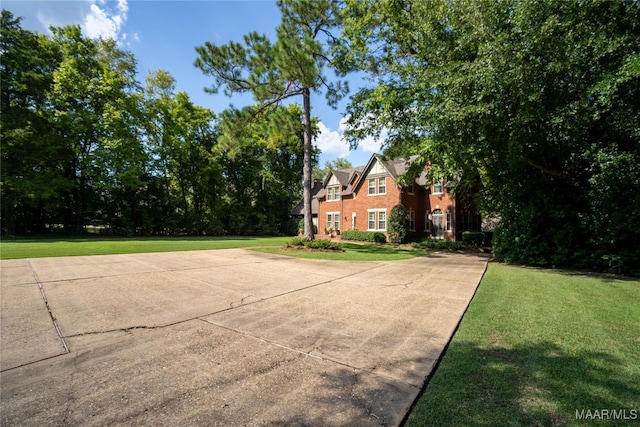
{"x":331,"y":142}
{"x":369,"y":144}
{"x":104,"y":22}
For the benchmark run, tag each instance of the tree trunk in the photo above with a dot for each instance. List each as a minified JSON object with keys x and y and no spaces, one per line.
{"x":306,"y":168}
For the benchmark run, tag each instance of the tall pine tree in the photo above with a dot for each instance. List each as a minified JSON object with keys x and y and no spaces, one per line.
{"x":292,"y":66}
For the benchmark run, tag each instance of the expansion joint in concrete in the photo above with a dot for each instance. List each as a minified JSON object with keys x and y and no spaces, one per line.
{"x":46,"y":303}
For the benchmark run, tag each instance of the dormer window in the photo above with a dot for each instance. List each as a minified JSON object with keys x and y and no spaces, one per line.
{"x":438,"y":186}
{"x":333,"y":193}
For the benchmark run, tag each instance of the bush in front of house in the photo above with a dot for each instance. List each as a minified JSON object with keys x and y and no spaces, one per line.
{"x":398,"y":224}
{"x":317,"y":244}
{"x":472,"y":238}
{"x":438,"y":244}
{"x":364,"y":236}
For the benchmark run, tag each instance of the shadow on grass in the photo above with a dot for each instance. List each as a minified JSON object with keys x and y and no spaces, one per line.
{"x":538,"y":384}
{"x":605,"y":277}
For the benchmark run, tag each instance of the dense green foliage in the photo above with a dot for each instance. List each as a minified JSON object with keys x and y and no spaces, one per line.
{"x":534,"y":103}
{"x":364,"y":236}
{"x":84,"y":143}
{"x":398,"y":224}
{"x":534,"y":347}
{"x":438,"y":244}
{"x":473,"y":238}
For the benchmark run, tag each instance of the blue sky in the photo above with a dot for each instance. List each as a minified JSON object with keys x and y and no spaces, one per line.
{"x":163,"y":34}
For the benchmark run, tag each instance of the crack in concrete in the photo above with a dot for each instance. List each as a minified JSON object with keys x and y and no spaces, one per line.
{"x":241,"y":303}
{"x":313,"y":356}
{"x":46,"y":303}
{"x":266,"y":341}
{"x":156,"y":270}
{"x":128,"y":329}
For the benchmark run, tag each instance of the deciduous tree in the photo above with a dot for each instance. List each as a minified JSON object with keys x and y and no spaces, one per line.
{"x":31,"y":182}
{"x":535,"y":103}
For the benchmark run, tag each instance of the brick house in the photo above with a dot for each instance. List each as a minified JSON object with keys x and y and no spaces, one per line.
{"x":361,"y":198}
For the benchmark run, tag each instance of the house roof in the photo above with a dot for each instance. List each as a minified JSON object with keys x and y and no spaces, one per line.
{"x":395,"y":168}
{"x":350,"y":178}
{"x":299,"y":208}
{"x":343,"y":176}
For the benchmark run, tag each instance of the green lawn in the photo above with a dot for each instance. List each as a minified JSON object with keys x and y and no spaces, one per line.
{"x":354,"y":252}
{"x":534,"y":347}
{"x":51,"y":247}
{"x":36,"y":248}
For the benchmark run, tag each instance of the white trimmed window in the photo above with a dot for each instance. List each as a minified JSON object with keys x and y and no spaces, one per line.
{"x":333,"y":220}
{"x":410,"y":189}
{"x":377,"y":186}
{"x":412,"y":220}
{"x":449,"y":220}
{"x":438,"y":186}
{"x":427,"y":222}
{"x":333,"y":193}
{"x":377,"y":219}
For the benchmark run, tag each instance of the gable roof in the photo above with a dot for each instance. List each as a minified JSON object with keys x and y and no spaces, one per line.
{"x":350,"y":178}
{"x":343,"y":176}
{"x":394,"y":167}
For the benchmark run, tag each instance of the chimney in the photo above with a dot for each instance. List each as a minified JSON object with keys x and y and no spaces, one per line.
{"x":317,"y":183}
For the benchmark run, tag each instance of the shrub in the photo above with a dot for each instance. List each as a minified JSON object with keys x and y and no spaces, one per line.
{"x":438,"y":244}
{"x":318,"y":244}
{"x":472,"y":238}
{"x":297,"y":241}
{"x":398,"y":224}
{"x":488,"y":238}
{"x":364,"y":236}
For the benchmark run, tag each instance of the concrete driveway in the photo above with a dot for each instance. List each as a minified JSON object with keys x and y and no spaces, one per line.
{"x":224,"y":337}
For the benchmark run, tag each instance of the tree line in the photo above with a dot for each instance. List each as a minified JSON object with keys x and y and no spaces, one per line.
{"x":84,"y":143}
{"x":533,"y":106}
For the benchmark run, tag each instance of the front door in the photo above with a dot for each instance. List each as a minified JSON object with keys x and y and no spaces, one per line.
{"x":438,"y":224}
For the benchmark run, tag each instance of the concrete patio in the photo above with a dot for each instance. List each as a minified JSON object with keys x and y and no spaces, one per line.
{"x":224,"y":337}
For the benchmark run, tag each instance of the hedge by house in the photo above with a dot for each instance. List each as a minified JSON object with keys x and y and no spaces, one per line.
{"x":472,"y":238}
{"x":438,"y":244}
{"x":364,"y":236}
